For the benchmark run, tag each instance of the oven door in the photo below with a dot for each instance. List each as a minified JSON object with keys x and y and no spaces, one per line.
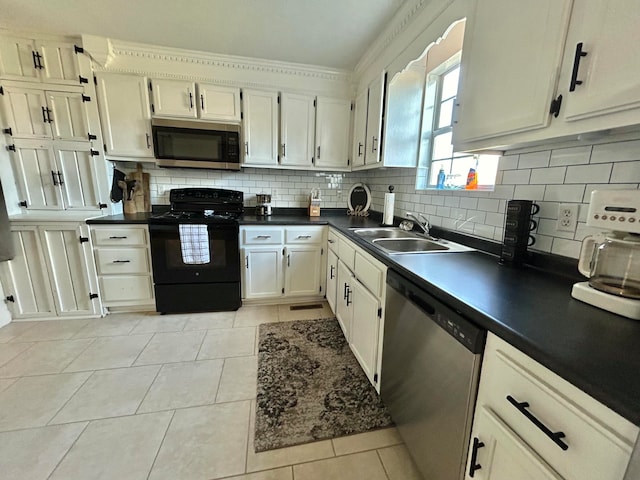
{"x":168,"y":261}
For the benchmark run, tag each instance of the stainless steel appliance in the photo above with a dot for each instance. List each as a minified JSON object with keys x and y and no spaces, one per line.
{"x":195,"y":252}
{"x":430,"y":369}
{"x":611,"y":260}
{"x":193,"y":144}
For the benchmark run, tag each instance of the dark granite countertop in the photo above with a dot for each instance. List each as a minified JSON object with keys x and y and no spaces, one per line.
{"x":595,"y":350}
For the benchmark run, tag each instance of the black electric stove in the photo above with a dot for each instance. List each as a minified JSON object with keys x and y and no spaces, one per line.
{"x":195,"y":252}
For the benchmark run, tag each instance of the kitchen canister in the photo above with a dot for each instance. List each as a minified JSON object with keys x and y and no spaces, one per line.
{"x":389,"y":200}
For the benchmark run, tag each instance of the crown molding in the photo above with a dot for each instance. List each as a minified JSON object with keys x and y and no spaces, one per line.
{"x":181,"y":56}
{"x":399,"y":24}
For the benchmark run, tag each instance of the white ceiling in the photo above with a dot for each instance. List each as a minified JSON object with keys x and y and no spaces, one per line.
{"x":331,"y":33}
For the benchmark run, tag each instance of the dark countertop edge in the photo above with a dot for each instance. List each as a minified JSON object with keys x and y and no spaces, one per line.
{"x":337,"y":219}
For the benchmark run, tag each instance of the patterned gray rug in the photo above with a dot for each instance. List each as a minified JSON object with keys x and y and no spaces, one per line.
{"x":311,"y":387}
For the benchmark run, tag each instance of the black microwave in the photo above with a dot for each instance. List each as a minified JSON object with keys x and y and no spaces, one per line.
{"x":193,"y":144}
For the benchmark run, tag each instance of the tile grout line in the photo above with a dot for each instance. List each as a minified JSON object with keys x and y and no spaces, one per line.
{"x":155,"y":458}
{"x":16,"y":355}
{"x":68,"y":450}
{"x":142,"y":350}
{"x":93,"y":340}
{"x":148,"y":388}
{"x":206,"y":334}
{"x":215,"y":397}
{"x":384,"y":469}
{"x":69,"y":399}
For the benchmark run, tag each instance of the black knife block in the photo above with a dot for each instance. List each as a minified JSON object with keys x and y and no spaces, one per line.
{"x":517,"y":226}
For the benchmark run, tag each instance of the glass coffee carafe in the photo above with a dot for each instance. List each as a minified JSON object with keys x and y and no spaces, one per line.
{"x":611,"y":261}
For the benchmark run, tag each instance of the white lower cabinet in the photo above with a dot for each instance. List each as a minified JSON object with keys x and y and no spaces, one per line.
{"x":282,"y":262}
{"x":530,"y":423}
{"x":123,"y":261}
{"x":332,"y":278}
{"x":52,"y":274}
{"x":358,"y":303}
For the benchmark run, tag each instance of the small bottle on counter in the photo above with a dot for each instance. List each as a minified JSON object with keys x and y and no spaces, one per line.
{"x":441,"y":178}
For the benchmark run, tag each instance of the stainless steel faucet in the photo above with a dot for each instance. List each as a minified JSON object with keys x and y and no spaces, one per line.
{"x":422,"y":222}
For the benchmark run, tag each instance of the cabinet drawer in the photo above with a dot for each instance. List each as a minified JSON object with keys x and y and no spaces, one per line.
{"x":370,"y":275}
{"x":332,"y":240}
{"x":126,"y":288}
{"x":262,"y":236}
{"x":122,"y":260}
{"x":596,"y":448}
{"x":129,"y":236}
{"x":297,"y":235}
{"x":346,"y":253}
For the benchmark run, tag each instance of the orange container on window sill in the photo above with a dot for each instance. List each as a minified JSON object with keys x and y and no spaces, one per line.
{"x":472,"y":180}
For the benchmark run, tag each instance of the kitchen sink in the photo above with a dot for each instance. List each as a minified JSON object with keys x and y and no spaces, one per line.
{"x":394,"y":240}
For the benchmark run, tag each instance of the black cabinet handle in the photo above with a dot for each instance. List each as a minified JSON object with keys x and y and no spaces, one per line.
{"x":202,"y":101}
{"x":60,"y":180}
{"x":35,"y":61}
{"x":349,"y":291}
{"x":576,"y":66}
{"x":148,"y":140}
{"x":318,"y":156}
{"x":44,"y":114}
{"x":373,"y":144}
{"x":284,"y":149}
{"x":10,"y":298}
{"x":288,"y":260}
{"x":555,"y":436}
{"x":246,"y":148}
{"x":344,"y":295}
{"x":477,"y":444}
{"x":115,"y":237}
{"x":122,"y":261}
{"x":360,"y":145}
{"x":190,"y":101}
{"x":55,"y":180}
{"x":49,"y":119}
{"x":331,"y":272}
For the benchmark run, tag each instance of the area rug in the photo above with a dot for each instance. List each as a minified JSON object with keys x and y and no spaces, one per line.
{"x":311,"y":387}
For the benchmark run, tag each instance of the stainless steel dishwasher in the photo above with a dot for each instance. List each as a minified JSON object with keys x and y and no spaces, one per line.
{"x":430,"y":367}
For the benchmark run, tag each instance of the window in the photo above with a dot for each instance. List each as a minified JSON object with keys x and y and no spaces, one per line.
{"x":436,"y":157}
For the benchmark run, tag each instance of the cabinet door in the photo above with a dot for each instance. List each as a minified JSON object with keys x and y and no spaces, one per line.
{"x":365,"y":327}
{"x":360,"y":129}
{"x":59,"y":62}
{"x":609,"y":72}
{"x":510,"y":61}
{"x":36,"y":175}
{"x":302,"y":271}
{"x":68,"y":116}
{"x":297,"y":129}
{"x":218,"y":103}
{"x":332,"y":133}
{"x":125,"y":115}
{"x":332,"y":279}
{"x":260,"y":127}
{"x":25,"y":111}
{"x":24,"y":278}
{"x":374,"y":120}
{"x":174,"y":98}
{"x":18,"y":59}
{"x":262,"y":272}
{"x":344,"y":299}
{"x":503,"y":455}
{"x":76,"y":176}
{"x":68,"y":270}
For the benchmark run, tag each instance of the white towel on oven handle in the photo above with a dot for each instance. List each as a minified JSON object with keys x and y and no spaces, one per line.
{"x":194,"y":244}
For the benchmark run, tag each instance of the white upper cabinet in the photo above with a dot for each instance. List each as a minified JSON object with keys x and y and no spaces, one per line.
{"x":297,"y":129}
{"x":360,"y":129}
{"x":260,"y":130}
{"x":125,"y":115}
{"x":173,"y":98}
{"x":374,"y":120}
{"x":510,"y":64}
{"x":606,"y":78}
{"x":218,"y":103}
{"x":68,"y":116}
{"x":333,"y":117}
{"x":46,"y":61}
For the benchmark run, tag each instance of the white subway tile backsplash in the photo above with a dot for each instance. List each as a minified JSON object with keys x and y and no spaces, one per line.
{"x":503,"y":191}
{"x":570,"y":156}
{"x":488,"y":204}
{"x":543,"y":243}
{"x":600,"y":173}
{"x":516,"y":177}
{"x":544,"y":176}
{"x":469,"y":203}
{"x":566,"y":248}
{"x":508,"y":162}
{"x":534,"y":160}
{"x":495,"y":219}
{"x":626,"y":172}
{"x":548,"y":210}
{"x":616,"y":152}
{"x":452,"y":201}
{"x":607,"y":186}
{"x":548,"y":227}
{"x":444,"y":212}
{"x":486,"y":231}
{"x":564,"y":193}
{"x":529,"y":192}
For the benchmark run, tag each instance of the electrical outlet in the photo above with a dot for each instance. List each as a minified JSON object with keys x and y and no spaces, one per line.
{"x":567,"y":217}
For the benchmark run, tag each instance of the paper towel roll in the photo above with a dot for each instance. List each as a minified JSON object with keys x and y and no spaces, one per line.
{"x":387,"y":216}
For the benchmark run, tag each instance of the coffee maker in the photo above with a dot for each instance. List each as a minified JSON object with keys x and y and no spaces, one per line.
{"x":611,"y":260}
{"x":263,"y":204}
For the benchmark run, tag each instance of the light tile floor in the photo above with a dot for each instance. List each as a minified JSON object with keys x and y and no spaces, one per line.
{"x":145,"y":396}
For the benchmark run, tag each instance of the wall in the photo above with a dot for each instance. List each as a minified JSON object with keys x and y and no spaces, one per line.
{"x":290,"y":188}
{"x":547,"y":176}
